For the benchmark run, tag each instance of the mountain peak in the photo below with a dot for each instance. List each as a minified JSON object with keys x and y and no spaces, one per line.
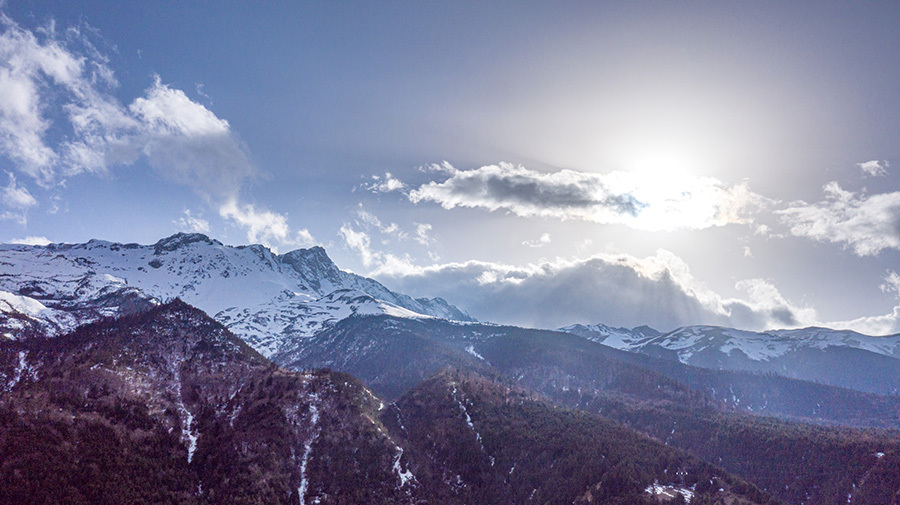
{"x":180,"y":239}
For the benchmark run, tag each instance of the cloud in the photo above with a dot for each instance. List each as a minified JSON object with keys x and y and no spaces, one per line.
{"x":653,"y":204}
{"x":370,"y":219}
{"x":360,"y":242}
{"x":59,"y":118}
{"x":874,"y":168}
{"x":384,"y":184}
{"x":31,"y":241}
{"x":423,"y":231}
{"x":16,"y":199}
{"x":190,"y":223}
{"x":540,"y":242}
{"x":868,"y":224}
{"x":621,"y":290}
{"x":887,"y":324}
{"x":264,"y":226}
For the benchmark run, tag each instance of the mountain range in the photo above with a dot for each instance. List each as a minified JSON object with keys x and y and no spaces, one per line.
{"x":196,"y":372}
{"x":837,"y":357}
{"x":268,"y":300}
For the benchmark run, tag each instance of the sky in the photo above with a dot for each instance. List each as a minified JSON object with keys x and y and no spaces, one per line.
{"x":534,"y":163}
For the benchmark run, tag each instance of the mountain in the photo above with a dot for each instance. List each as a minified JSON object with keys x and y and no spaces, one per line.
{"x":837,"y":357}
{"x":392,"y":355}
{"x":267,"y":299}
{"x":710,"y":410}
{"x":167,"y":406}
{"x":501,"y":444}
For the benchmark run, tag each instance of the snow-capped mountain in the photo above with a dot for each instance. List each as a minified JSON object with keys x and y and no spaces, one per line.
{"x":840,"y":357}
{"x":263,"y":297}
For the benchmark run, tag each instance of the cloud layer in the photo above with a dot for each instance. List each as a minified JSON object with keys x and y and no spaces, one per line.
{"x":613,"y":289}
{"x":868,"y":224}
{"x":635,"y":200}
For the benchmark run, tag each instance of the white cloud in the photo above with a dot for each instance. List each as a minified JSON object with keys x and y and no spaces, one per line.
{"x":360,"y":242}
{"x":15,"y":196}
{"x":264,"y":226}
{"x":191,"y":223}
{"x":887,"y":324}
{"x":748,"y":253}
{"x":622,"y":290}
{"x":392,"y":229}
{"x":891,"y":283}
{"x":16,"y":199}
{"x":31,"y":241}
{"x":635,"y":200}
{"x":874,"y":168}
{"x":866,"y":223}
{"x":51,"y":81}
{"x":543,"y":240}
{"x":423,"y":234}
{"x":384,"y":184}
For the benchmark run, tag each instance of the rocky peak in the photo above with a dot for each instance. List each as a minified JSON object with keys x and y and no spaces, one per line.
{"x":179,"y":240}
{"x":313,"y":265}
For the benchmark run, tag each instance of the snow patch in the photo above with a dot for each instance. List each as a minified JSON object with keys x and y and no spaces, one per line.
{"x":669,"y":491}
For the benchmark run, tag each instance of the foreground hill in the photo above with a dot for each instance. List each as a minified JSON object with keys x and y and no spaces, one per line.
{"x":169,"y":407}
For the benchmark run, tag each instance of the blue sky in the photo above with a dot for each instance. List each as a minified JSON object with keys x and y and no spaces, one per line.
{"x":627,"y":163}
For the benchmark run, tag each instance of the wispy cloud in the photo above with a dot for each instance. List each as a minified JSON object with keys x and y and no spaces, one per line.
{"x":384,"y":184}
{"x":423,"y":234}
{"x":541,"y":241}
{"x":392,"y":229}
{"x":51,"y":80}
{"x":16,"y":200}
{"x":264,"y":226}
{"x":613,"y":198}
{"x":868,"y":224}
{"x":191,"y":223}
{"x":874,"y":168}
{"x":360,"y":242}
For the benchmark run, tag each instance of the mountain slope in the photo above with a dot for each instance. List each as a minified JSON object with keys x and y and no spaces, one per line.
{"x":502,"y":445}
{"x":265,"y":298}
{"x":168,"y":407}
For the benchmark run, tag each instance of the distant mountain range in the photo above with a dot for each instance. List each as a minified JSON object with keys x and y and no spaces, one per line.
{"x":837,"y":357}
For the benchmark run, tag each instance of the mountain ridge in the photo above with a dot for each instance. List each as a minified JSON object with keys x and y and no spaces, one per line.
{"x":52,"y":289}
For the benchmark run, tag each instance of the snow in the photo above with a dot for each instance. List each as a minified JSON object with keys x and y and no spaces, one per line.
{"x":669,"y":491}
{"x":404,"y":475}
{"x":756,"y":346}
{"x":187,"y":417}
{"x":264,"y":298}
{"x":465,"y":412}
{"x":471,"y":350}
{"x":18,"y":373}
{"x":307,"y":448}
